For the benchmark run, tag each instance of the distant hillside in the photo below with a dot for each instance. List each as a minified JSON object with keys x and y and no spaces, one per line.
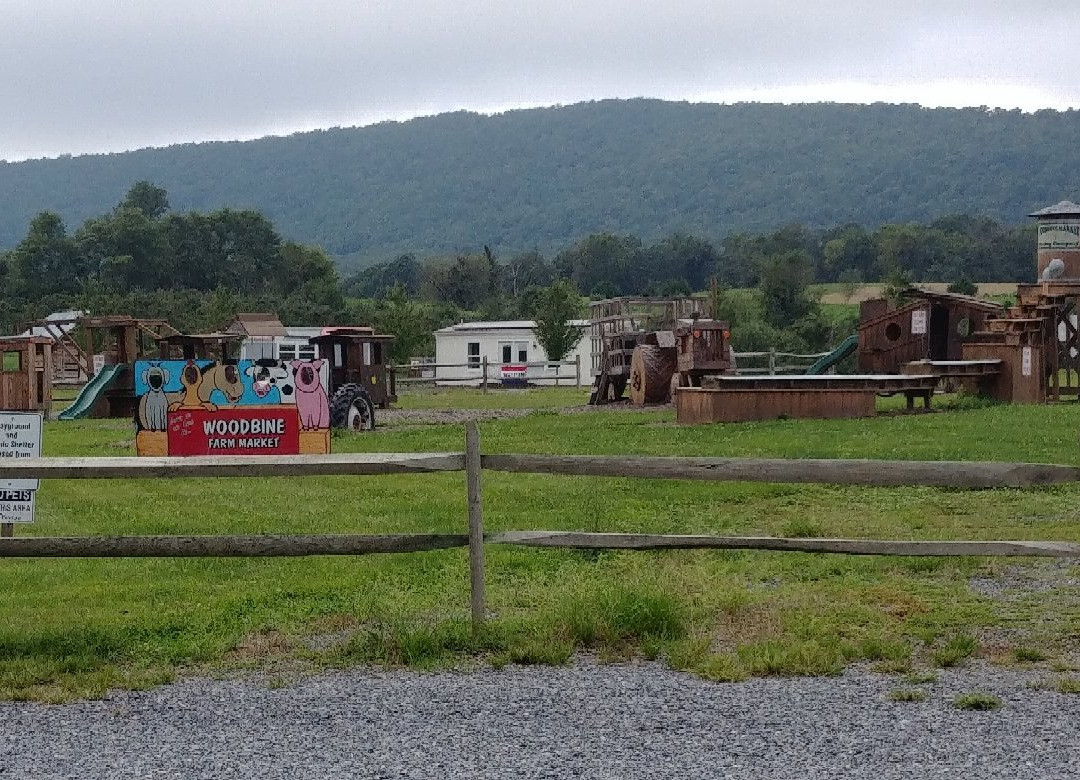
{"x":542,"y":178}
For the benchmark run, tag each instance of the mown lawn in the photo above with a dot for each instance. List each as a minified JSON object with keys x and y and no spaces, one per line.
{"x":78,"y":627}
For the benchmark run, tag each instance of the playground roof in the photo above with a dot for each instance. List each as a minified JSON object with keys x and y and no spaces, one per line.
{"x":1065,"y":208}
{"x":264,"y":324}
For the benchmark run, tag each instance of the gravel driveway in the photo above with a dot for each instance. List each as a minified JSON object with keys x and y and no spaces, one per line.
{"x":637,"y":721}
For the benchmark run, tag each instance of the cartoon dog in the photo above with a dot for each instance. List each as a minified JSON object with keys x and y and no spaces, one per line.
{"x":154,"y":404}
{"x":267,"y":374}
{"x":311,"y":401}
{"x":188,"y":398}
{"x":223,"y":377}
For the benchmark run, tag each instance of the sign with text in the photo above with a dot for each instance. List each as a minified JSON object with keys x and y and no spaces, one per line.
{"x":236,"y":431}
{"x":245,"y":407}
{"x":16,"y":506}
{"x":1025,"y":361}
{"x":918,"y":322}
{"x":1059,"y":235}
{"x":20,"y":437}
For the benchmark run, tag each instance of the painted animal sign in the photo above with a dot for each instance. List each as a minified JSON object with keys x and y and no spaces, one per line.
{"x":246,"y":407}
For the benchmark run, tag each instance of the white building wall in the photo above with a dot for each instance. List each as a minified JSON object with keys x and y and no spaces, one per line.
{"x":452,"y":346}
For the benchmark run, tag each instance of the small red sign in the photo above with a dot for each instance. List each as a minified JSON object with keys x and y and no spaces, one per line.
{"x":514,"y":371}
{"x":245,"y":430}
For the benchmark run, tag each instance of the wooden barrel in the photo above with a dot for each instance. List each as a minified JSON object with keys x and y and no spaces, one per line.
{"x":651,"y":369}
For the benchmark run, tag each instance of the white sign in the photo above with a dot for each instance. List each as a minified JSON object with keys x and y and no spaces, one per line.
{"x":1059,"y":235}
{"x":20,"y":438}
{"x":918,"y":322}
{"x":99,"y":364}
{"x":1025,"y":361}
{"x":16,"y":506}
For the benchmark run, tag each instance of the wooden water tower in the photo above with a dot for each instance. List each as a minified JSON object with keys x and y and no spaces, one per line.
{"x":1059,"y":240}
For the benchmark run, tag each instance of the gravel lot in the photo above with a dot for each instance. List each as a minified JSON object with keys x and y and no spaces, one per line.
{"x":637,"y":721}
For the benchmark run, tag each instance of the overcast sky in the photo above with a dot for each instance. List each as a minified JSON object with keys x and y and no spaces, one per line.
{"x":107,"y":75}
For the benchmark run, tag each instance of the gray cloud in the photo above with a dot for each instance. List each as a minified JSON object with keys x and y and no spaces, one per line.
{"x":116,"y":74}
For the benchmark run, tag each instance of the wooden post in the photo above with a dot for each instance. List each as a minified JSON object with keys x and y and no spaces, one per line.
{"x":772,"y":361}
{"x":577,"y":370}
{"x":7,"y":530}
{"x":476,"y":524}
{"x":483,"y":380}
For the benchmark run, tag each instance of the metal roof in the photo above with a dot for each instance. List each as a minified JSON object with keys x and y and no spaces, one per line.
{"x":500,"y":325}
{"x":1065,"y":208}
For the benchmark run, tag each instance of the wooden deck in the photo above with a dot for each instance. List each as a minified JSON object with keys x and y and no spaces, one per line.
{"x":747,"y":398}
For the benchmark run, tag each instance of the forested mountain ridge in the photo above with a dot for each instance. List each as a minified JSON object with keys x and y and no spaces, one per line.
{"x":543,"y":178}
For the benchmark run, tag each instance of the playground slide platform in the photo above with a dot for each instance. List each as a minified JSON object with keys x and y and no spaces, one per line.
{"x":843,"y":349}
{"x":835,"y":396}
{"x":91,"y":392}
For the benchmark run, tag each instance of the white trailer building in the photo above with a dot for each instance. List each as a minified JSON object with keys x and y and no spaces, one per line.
{"x":461,"y":351}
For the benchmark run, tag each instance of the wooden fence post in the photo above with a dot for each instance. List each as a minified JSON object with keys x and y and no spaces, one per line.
{"x":772,"y":361}
{"x":7,"y":530}
{"x":476,"y":524}
{"x":483,"y":380}
{"x":577,"y":371}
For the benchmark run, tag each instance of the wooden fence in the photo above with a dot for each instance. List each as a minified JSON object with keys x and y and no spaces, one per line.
{"x":954,"y":474}
{"x":486,"y":373}
{"x":797,"y":364}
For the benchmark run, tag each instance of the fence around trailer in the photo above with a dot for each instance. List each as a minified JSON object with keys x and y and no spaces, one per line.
{"x":486,"y":373}
{"x":952,"y":474}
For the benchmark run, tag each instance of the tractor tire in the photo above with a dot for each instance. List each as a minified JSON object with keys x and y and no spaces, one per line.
{"x":351,"y":408}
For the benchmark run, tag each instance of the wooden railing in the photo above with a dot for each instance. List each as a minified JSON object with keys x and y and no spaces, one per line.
{"x":486,"y":373}
{"x":951,"y":474}
{"x":772,"y":366}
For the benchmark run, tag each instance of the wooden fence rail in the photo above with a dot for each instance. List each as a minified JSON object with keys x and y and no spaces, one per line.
{"x":953,"y":474}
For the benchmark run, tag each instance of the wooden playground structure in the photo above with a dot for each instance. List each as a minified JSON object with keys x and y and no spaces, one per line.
{"x":1028,"y":352}
{"x":26,"y":374}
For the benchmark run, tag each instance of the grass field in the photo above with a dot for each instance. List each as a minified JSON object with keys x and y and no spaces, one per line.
{"x":76,"y":628}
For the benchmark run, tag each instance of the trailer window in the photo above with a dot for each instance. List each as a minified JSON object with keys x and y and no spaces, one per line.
{"x":12,"y":361}
{"x":473,"y":352}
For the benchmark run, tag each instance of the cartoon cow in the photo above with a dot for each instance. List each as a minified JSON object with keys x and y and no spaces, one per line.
{"x":266,"y":374}
{"x":311,"y":401}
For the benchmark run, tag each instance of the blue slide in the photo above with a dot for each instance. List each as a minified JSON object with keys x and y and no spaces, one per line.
{"x":825,"y":362}
{"x":92,"y":390}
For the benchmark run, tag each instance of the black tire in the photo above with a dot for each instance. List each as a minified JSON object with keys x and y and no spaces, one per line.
{"x":351,"y":408}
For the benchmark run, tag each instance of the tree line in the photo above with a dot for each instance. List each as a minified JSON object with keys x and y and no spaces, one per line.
{"x":547,"y":178}
{"x":197,"y":269}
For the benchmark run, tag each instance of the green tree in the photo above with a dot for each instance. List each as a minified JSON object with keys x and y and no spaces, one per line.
{"x":46,"y":261}
{"x":143,"y":196}
{"x":963,"y":286}
{"x":784,"y":288}
{"x":557,"y":305}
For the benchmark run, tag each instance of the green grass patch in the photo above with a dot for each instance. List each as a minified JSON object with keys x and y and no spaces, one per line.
{"x":956,"y":651}
{"x":921,"y":677}
{"x":976,"y":700}
{"x":1067,"y":684}
{"x":908,"y":694}
{"x":74,"y":628}
{"x":1028,"y":655}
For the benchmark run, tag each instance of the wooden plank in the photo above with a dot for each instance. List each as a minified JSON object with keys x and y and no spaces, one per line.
{"x":609,"y":541}
{"x":476,"y":523}
{"x":962,"y":474}
{"x":266,"y":545}
{"x":233,"y":466}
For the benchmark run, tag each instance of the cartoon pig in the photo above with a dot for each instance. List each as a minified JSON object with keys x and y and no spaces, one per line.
{"x":311,"y":400}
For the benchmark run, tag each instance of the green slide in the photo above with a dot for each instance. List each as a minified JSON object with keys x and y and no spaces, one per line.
{"x":93,"y":389}
{"x":825,"y":362}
